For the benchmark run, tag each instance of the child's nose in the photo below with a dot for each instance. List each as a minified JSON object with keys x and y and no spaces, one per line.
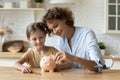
{"x":38,"y":41}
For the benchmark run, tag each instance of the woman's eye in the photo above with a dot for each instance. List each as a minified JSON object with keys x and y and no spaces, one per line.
{"x":55,"y":25}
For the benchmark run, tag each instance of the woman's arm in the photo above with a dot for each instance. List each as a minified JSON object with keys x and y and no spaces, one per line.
{"x":64,"y":65}
{"x":88,"y":64}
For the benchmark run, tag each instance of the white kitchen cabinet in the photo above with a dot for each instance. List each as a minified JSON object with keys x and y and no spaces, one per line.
{"x":9,"y":58}
{"x":115,"y":60}
{"x":22,"y":13}
{"x":7,"y":62}
{"x":116,"y":65}
{"x":113,"y":16}
{"x":13,"y":9}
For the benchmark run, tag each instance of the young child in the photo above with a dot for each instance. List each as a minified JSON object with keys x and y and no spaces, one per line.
{"x":36,"y":34}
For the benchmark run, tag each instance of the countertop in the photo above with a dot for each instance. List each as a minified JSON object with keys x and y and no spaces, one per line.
{"x":9,"y":73}
{"x":18,"y":55}
{"x":10,"y":55}
{"x":110,"y":57}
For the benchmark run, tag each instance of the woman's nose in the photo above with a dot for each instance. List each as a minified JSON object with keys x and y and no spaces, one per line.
{"x":54,"y":31}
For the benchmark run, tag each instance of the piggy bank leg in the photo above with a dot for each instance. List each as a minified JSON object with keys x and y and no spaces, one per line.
{"x":42,"y":70}
{"x":51,"y":70}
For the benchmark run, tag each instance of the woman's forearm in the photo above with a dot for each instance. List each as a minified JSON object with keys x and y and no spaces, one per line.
{"x":88,"y":64}
{"x":66,"y":65}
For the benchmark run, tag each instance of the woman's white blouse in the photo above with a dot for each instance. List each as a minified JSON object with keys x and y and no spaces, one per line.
{"x":84,"y":45}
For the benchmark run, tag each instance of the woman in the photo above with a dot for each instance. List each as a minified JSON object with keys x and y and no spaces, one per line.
{"x":77,"y":44}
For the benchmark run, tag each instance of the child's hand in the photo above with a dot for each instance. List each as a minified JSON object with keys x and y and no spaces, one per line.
{"x":26,"y":70}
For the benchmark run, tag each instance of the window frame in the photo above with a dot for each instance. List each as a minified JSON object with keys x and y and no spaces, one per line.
{"x":116,"y":17}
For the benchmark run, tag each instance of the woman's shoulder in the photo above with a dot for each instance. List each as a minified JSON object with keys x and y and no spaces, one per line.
{"x":83,"y":29}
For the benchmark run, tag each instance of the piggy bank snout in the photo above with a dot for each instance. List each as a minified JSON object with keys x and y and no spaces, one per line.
{"x":47,"y":63}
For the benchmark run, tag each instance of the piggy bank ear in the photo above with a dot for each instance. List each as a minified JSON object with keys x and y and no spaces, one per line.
{"x":52,"y":56}
{"x":42,"y":54}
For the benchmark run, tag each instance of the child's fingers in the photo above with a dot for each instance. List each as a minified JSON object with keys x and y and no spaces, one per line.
{"x":26,"y":70}
{"x":29,"y":70}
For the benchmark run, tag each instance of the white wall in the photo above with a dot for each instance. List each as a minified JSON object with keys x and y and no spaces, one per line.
{"x":88,"y":13}
{"x":92,"y":14}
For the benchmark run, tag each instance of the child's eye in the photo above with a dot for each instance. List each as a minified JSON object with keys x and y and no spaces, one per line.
{"x":34,"y":39}
{"x":50,"y":59}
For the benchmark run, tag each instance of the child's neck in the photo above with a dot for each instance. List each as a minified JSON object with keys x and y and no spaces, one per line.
{"x":39,"y":50}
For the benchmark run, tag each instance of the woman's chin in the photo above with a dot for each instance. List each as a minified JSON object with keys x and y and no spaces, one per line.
{"x":39,"y":48}
{"x":61,"y":35}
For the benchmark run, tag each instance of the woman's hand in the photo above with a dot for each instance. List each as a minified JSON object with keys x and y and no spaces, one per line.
{"x":26,"y":70}
{"x":62,"y":56}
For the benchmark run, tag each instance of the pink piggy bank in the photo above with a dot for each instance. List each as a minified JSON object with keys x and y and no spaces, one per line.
{"x":47,"y":63}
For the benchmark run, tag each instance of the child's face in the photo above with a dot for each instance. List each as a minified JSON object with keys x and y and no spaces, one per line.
{"x":37,"y":39}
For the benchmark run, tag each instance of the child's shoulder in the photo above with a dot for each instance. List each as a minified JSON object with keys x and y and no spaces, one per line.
{"x":30,"y":51}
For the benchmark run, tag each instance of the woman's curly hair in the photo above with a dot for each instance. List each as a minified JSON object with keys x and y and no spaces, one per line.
{"x":60,"y":14}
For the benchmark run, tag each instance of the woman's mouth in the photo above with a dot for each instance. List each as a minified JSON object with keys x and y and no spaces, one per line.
{"x":59,"y":32}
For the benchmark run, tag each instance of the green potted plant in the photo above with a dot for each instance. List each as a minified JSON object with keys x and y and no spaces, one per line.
{"x":38,"y":3}
{"x":102,"y":47}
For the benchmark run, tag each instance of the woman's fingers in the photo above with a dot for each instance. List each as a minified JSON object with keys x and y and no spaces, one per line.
{"x":59,"y":59}
{"x":60,"y":56}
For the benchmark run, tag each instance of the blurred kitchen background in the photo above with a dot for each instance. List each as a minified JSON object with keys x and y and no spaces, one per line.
{"x":88,"y":13}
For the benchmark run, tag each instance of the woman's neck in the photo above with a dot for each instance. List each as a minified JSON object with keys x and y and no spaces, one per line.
{"x":71,"y":33}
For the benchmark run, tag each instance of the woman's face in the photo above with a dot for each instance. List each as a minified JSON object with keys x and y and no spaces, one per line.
{"x":37,"y":39}
{"x":58,"y":27}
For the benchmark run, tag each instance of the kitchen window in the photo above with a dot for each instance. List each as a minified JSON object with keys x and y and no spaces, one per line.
{"x":113,"y":16}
